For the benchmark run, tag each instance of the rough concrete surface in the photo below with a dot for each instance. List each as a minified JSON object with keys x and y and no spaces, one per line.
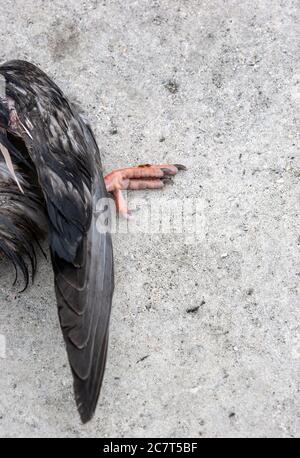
{"x":214,"y":85}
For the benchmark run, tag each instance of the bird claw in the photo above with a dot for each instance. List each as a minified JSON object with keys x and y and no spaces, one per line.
{"x":136,"y":178}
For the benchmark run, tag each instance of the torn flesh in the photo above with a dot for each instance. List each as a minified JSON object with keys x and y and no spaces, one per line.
{"x":14,"y":126}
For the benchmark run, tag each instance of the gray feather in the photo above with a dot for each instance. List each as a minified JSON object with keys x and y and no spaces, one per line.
{"x":66,"y":160}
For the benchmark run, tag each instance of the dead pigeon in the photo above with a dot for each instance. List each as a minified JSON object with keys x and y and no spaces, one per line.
{"x":50,"y":182}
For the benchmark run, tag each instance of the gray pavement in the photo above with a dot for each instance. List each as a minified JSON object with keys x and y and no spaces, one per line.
{"x":214,"y":85}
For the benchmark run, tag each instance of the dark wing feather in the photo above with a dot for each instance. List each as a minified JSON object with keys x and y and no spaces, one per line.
{"x":84,"y":325}
{"x":84,"y":296}
{"x":22,"y":221}
{"x":67,"y":160}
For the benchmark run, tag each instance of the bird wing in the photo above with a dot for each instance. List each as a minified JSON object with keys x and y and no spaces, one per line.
{"x":84,"y":294}
{"x":67,"y":160}
{"x":81,"y":256}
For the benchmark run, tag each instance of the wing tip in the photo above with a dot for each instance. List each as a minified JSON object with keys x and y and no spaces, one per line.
{"x":87,"y":391}
{"x":86,"y":406}
{"x":86,"y":413}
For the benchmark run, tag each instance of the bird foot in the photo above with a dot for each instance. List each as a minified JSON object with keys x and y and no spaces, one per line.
{"x":136,"y":178}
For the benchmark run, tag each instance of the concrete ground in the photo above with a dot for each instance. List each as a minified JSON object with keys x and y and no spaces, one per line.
{"x":214,"y":85}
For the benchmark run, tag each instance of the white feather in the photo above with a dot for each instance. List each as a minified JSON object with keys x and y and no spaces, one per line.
{"x":9,"y":164}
